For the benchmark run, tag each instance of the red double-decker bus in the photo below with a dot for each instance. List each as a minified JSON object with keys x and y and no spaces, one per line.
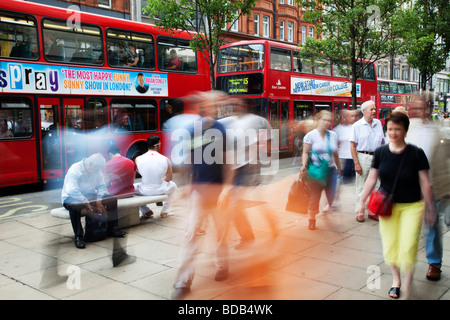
{"x":73,"y":83}
{"x":392,"y":94}
{"x":280,"y":86}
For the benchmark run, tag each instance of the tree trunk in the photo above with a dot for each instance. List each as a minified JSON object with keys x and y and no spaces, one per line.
{"x":423,"y":82}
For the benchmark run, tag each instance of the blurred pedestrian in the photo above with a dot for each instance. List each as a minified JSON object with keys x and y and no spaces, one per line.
{"x":209,"y":173}
{"x":157,"y":175}
{"x":343,"y":132}
{"x":345,"y":156}
{"x":84,"y":188}
{"x":325,"y":143}
{"x":400,"y":232}
{"x":366,"y":136}
{"x":119,"y":173}
{"x":245,"y":134}
{"x":427,"y":135}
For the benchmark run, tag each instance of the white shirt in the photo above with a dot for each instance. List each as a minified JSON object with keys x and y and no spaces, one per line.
{"x":422,"y":135}
{"x":367,"y":138}
{"x":80,"y":184}
{"x":243,"y":133}
{"x":320,"y":145}
{"x":343,"y":133}
{"x":152,"y":166}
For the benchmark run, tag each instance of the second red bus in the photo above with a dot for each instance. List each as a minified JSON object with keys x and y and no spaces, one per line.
{"x":278,"y":85}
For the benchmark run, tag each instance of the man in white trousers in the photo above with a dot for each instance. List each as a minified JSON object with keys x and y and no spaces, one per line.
{"x":156,"y":172}
{"x":365,"y":137}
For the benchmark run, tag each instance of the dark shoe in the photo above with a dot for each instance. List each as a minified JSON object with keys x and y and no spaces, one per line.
{"x":394,"y":293}
{"x":360,"y":217}
{"x":243,"y":244}
{"x":79,"y":243}
{"x":312,"y":224}
{"x":116,"y":234}
{"x":434,"y":273}
{"x":180,"y":293}
{"x":373,"y":216}
{"x":221,"y":275}
{"x":123,"y":259}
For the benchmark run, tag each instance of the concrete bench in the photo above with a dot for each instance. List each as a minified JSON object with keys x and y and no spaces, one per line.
{"x":128,"y":209}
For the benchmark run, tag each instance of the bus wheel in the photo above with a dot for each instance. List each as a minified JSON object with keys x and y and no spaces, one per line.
{"x":136,"y":150}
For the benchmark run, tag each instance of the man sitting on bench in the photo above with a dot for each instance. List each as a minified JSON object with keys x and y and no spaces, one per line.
{"x":84,"y":188}
{"x":156,"y":172}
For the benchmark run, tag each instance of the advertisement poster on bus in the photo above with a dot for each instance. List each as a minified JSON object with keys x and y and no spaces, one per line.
{"x":39,"y":78}
{"x":317,"y":87}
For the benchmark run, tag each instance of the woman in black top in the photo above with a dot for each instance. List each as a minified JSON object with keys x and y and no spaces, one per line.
{"x":400,"y":232}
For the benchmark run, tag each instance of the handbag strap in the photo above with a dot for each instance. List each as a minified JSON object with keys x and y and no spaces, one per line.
{"x":399,"y":170}
{"x":328,"y":142}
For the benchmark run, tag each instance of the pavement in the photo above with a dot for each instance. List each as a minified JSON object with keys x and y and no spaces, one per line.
{"x":340,"y":260}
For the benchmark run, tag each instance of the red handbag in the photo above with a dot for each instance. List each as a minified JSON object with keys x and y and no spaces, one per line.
{"x":380,"y":203}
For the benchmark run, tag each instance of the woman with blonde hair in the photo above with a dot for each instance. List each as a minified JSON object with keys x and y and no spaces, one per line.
{"x":323,"y":144}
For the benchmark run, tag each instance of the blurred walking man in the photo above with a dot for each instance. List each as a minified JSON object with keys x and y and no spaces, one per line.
{"x":428,"y":136}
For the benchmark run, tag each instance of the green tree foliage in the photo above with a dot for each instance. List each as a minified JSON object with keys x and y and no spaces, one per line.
{"x":205,"y":20}
{"x":352,"y":32}
{"x":426,"y":31}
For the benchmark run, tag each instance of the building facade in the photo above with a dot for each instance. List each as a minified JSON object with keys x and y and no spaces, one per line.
{"x":280,"y":20}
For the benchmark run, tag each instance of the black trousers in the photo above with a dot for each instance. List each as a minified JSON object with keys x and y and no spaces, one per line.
{"x":74,"y":206}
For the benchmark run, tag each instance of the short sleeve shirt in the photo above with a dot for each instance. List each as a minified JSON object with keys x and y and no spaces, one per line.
{"x":367,"y":137}
{"x":408,"y":185}
{"x":320,"y":144}
{"x":121,"y":171}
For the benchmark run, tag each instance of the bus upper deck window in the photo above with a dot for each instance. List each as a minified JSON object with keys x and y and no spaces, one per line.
{"x":176,"y":55}
{"x":78,"y":44}
{"x":19,"y":36}
{"x":322,"y":67}
{"x":369,"y":72}
{"x":280,"y":59}
{"x":130,"y":49}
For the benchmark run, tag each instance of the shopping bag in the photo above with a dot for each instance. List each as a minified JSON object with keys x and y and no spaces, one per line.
{"x":317,"y":170}
{"x":298,"y":197}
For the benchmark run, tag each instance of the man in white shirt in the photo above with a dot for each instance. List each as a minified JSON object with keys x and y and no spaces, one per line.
{"x":156,"y":172}
{"x":366,"y":136}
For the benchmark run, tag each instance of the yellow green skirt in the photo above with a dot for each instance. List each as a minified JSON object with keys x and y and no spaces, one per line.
{"x":400,"y":234}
